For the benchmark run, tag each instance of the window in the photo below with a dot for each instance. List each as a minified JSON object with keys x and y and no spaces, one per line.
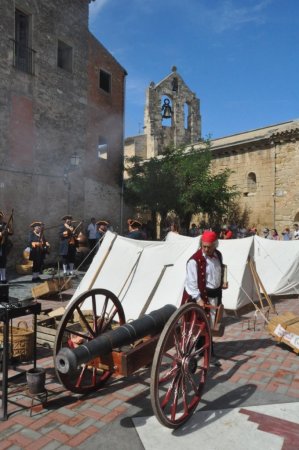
{"x":186,"y":116}
{"x":251,"y":182}
{"x":23,"y":55}
{"x":105,"y":81}
{"x":65,"y":56}
{"x":102,"y":148}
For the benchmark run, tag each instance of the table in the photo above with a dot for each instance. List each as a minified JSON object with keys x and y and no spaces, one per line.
{"x":7,"y":313}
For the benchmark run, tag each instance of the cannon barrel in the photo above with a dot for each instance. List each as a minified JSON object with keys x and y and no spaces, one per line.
{"x":67,"y":360}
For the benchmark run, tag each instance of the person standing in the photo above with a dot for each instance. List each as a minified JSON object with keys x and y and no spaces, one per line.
{"x":193,"y":231}
{"x":275,"y":235}
{"x":5,"y":231}
{"x":135,"y":232}
{"x":38,"y":249}
{"x":67,"y":245}
{"x":266,"y":233}
{"x":205,"y":278}
{"x":296,"y":231}
{"x":102,"y":226}
{"x":286,"y":234}
{"x":92,"y":231}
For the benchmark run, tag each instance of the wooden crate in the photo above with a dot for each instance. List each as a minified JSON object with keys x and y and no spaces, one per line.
{"x":285,"y":328}
{"x":46,"y":330}
{"x":51,"y":287}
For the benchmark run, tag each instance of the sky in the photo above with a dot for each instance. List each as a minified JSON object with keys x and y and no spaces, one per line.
{"x":240,"y":57}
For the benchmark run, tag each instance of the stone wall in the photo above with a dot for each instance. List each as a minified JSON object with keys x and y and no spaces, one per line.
{"x":53,"y":114}
{"x":273,"y":158}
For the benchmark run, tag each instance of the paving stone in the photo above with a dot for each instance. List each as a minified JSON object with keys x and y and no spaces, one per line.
{"x":53,"y":445}
{"x":72,"y":431}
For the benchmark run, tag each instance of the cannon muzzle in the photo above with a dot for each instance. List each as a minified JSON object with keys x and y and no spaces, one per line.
{"x":67,"y":360}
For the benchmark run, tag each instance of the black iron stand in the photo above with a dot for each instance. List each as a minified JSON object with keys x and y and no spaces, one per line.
{"x":8,"y":313}
{"x":41,"y":397}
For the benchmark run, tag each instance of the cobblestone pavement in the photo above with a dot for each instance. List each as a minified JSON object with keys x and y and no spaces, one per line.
{"x":255,"y":371}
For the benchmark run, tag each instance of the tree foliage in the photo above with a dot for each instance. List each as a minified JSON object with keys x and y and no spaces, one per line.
{"x":180,"y":180}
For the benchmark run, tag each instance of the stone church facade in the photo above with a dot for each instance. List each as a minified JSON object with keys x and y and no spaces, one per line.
{"x":61,"y":118}
{"x":263,"y":162}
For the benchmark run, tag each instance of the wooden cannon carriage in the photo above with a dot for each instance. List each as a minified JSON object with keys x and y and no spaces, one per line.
{"x":93,"y":344}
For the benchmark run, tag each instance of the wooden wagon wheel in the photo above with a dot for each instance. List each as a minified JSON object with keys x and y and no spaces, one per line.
{"x":88,"y":316}
{"x":180,"y":365}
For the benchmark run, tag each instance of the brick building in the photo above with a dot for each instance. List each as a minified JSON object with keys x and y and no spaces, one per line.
{"x":61,"y":118}
{"x":263,"y":161}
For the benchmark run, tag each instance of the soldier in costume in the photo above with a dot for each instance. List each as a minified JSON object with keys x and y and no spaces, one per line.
{"x":39,"y":247}
{"x":135,"y":232}
{"x":67,"y":251}
{"x":5,"y":231}
{"x":102,"y":228}
{"x":204,"y":278}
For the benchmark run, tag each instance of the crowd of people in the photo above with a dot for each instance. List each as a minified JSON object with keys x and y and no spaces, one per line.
{"x":234,"y":232}
{"x":38,"y":246}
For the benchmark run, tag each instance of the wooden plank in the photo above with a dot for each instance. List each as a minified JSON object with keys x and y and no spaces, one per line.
{"x":46,"y":330}
{"x":139,"y":356}
{"x":57,"y":312}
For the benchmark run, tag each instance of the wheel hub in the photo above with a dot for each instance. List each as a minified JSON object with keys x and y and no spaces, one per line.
{"x":190,"y":364}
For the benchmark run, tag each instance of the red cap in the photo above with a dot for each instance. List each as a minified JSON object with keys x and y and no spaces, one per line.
{"x":209,"y":236}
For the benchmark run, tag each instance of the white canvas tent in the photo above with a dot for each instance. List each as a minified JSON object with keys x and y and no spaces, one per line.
{"x":277,"y":263}
{"x":136,"y":271}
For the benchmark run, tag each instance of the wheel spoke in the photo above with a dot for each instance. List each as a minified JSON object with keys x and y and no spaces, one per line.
{"x":103,"y":314}
{"x":170,"y":374}
{"x":94,"y":309}
{"x":108,"y":322}
{"x":84,"y":320}
{"x":80,"y":377}
{"x":169,"y":392}
{"x":174,"y":404}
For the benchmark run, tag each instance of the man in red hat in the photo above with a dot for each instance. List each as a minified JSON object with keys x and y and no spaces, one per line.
{"x":204,"y":278}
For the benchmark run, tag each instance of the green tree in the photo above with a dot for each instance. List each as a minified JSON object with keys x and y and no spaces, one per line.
{"x":180,"y":180}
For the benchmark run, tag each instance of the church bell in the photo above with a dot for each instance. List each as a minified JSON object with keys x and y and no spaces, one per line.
{"x":166,"y":109}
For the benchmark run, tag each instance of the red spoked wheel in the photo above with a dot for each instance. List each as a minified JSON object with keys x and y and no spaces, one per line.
{"x":180,"y":365}
{"x":89,"y":315}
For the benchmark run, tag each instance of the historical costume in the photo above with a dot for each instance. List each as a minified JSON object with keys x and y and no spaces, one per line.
{"x":204,"y":277}
{"x":102,"y":228}
{"x":67,"y":251}
{"x":135,"y":232}
{"x":39,"y":247}
{"x":5,"y":231}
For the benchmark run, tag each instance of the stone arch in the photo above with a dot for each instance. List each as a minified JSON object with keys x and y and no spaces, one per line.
{"x":296,"y":218}
{"x":251,"y":182}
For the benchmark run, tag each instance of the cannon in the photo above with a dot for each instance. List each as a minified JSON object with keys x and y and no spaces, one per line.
{"x":94,"y":341}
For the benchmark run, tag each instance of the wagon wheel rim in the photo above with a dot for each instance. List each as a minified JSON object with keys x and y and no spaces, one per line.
{"x":75,"y":327}
{"x":180,"y":365}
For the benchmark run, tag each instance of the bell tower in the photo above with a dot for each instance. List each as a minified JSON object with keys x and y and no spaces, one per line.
{"x":171,"y":116}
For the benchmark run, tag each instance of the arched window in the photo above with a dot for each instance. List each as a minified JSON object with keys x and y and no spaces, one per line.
{"x":251,"y":182}
{"x":102,"y":148}
{"x":296,"y":218}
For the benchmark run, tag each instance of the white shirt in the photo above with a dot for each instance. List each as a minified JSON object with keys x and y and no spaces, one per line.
{"x":92,"y":231}
{"x":296,"y":234}
{"x":213,"y":275}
